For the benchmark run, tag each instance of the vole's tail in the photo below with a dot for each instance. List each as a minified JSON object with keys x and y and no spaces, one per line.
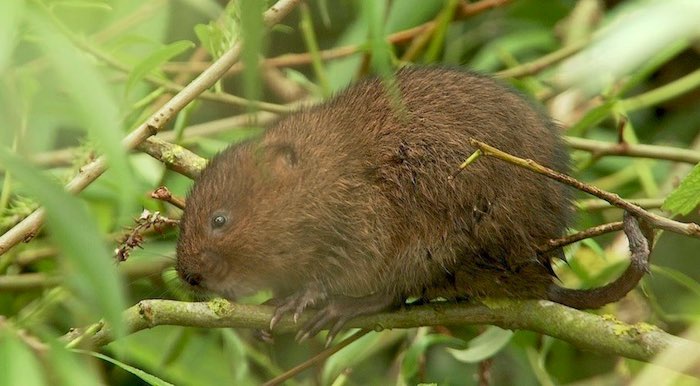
{"x":641,"y":236}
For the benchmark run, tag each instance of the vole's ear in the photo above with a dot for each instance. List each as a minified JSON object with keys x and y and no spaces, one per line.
{"x":282,"y":157}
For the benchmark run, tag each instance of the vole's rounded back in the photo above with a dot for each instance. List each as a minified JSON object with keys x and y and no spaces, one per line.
{"x":349,"y":204}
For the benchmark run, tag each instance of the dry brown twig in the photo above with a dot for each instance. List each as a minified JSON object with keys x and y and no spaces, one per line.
{"x":585,"y":234}
{"x":146,"y":221}
{"x":162,"y":193}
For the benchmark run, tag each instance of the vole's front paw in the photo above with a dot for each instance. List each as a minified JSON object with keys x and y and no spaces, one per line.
{"x":338,"y":310}
{"x":297,"y":303}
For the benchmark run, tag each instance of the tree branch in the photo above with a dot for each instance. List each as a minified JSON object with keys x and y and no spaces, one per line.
{"x":600,"y":148}
{"x":600,"y":334}
{"x":688,"y":229}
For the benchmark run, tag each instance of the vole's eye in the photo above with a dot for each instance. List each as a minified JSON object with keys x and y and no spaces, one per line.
{"x":218,"y":221}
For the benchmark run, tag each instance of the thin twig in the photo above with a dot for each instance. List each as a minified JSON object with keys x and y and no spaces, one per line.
{"x":323,"y":355}
{"x":601,"y":148}
{"x":689,"y":229}
{"x":588,"y":233}
{"x":164,"y":194}
{"x":543,"y":62}
{"x":594,"y":204}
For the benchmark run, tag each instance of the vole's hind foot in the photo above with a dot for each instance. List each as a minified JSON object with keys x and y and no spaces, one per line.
{"x":338,"y":310}
{"x":297,"y":303}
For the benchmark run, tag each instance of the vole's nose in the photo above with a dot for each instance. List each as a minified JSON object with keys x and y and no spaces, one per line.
{"x":193,"y":279}
{"x":187,"y":275}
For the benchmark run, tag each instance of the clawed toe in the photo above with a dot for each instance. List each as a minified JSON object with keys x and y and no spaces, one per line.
{"x":330,"y":315}
{"x":296,"y":303}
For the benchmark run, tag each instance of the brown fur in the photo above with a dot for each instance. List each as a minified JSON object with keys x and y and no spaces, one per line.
{"x":353,"y":198}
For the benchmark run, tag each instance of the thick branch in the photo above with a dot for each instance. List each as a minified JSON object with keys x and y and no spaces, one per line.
{"x":603,"y":335}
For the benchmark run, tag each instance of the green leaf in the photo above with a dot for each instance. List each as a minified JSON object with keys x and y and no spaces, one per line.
{"x":18,"y":366}
{"x":235,"y":352}
{"x":253,"y":32}
{"x":592,"y":117}
{"x":679,"y":277}
{"x":87,"y":4}
{"x":88,"y":264}
{"x":10,"y":18}
{"x":91,"y":95}
{"x":411,"y":360}
{"x":146,"y":377}
{"x":155,"y":59}
{"x":405,"y":14}
{"x":381,"y":52}
{"x":687,"y":196}
{"x":69,"y":368}
{"x":483,"y":346}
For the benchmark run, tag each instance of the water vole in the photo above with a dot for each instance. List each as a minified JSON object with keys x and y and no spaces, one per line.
{"x":348,"y":206}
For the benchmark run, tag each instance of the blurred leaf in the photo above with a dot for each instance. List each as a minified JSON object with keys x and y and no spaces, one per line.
{"x":18,"y":365}
{"x":235,"y":351}
{"x":154,"y":60}
{"x":411,"y":360}
{"x":325,"y":15}
{"x":519,"y":42}
{"x":89,"y":265}
{"x":687,"y":196}
{"x":146,"y":377}
{"x":437,"y":42}
{"x":90,"y":4}
{"x":483,"y":346}
{"x":11,"y":16}
{"x":405,"y":14}
{"x":211,"y":8}
{"x":592,"y":117}
{"x":381,"y":51}
{"x":69,"y":369}
{"x":678,"y":277}
{"x":595,"y":247}
{"x":360,"y":350}
{"x":653,"y":65}
{"x":252,"y":32}
{"x":91,"y":94}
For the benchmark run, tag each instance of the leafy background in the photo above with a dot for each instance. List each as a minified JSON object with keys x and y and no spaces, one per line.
{"x":77,"y":76}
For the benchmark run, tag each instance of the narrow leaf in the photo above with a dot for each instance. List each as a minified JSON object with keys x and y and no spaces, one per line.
{"x":687,"y":196}
{"x":146,"y":377}
{"x":155,"y":59}
{"x":678,"y":277}
{"x":70,"y":368}
{"x":18,"y":366}
{"x":91,"y":94}
{"x":253,"y":32}
{"x":411,"y":359}
{"x":10,"y":18}
{"x":483,"y":346}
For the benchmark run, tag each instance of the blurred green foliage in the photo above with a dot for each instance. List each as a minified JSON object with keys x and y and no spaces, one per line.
{"x":77,"y":76}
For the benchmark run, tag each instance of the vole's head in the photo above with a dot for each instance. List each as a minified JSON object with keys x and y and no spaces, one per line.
{"x":240,"y":231}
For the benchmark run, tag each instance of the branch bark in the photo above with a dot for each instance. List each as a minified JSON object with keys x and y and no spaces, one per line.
{"x":600,"y":334}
